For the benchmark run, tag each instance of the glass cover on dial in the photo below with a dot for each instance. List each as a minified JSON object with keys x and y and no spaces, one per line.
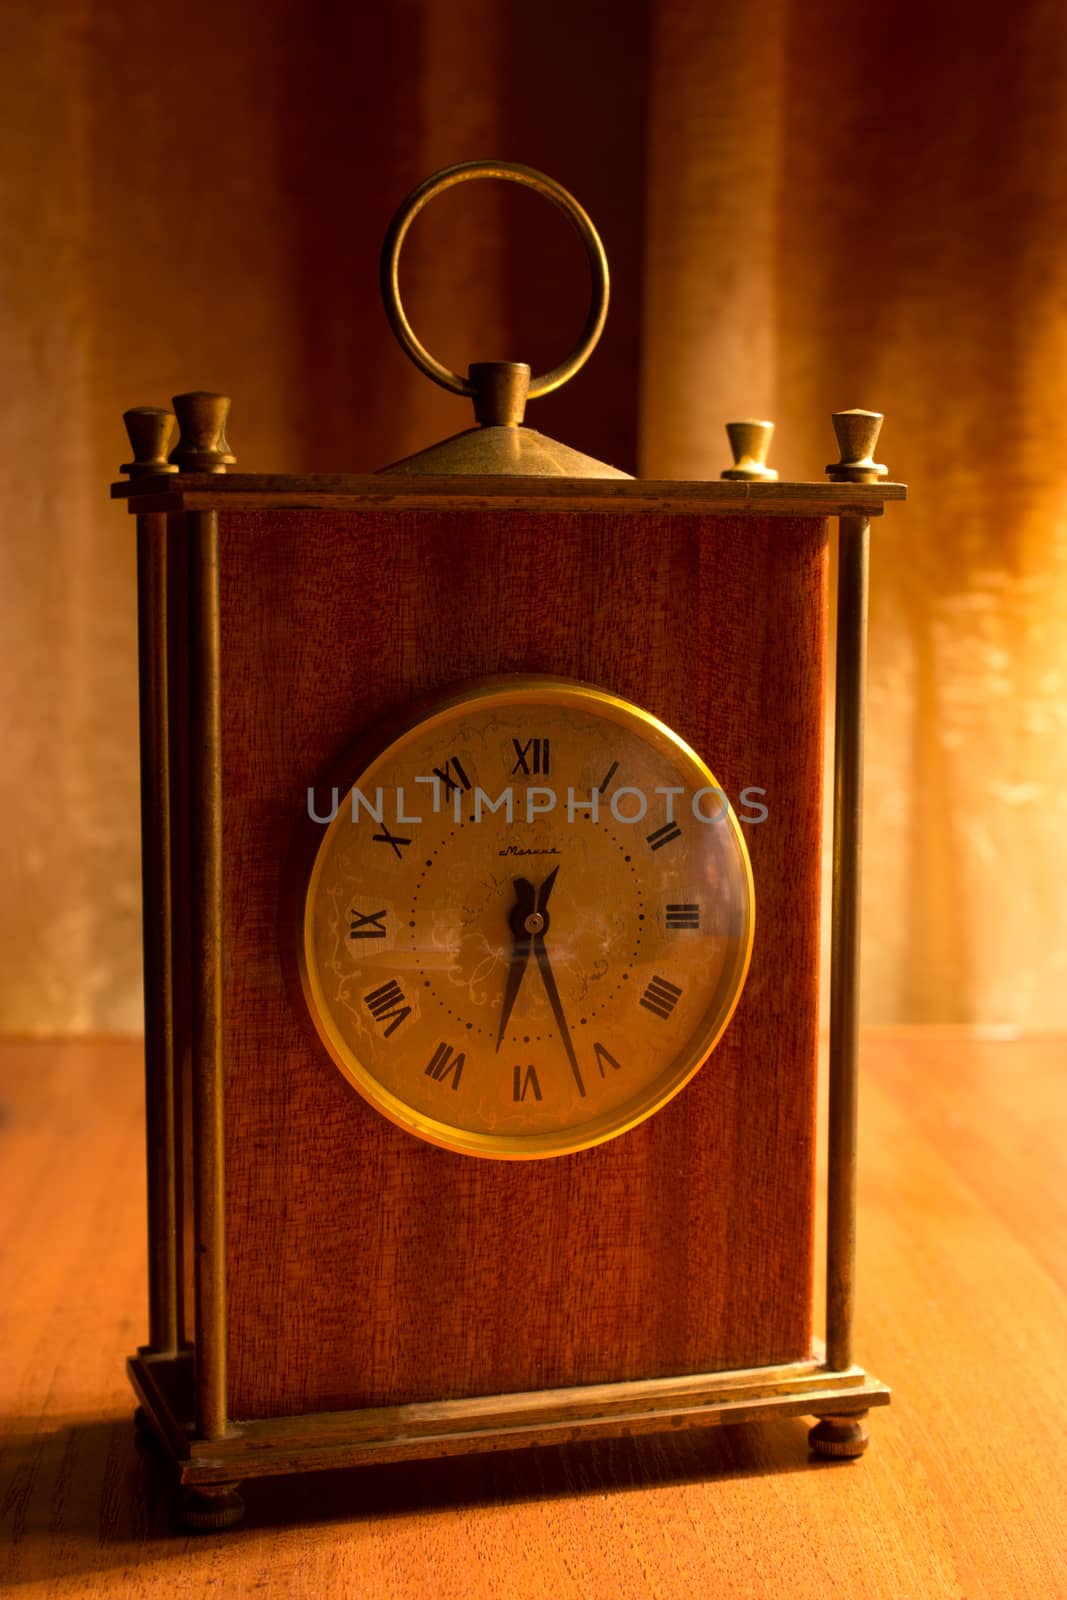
{"x":528,"y":921}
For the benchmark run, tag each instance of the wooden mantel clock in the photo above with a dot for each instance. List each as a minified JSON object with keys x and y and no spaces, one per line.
{"x":481,"y":819}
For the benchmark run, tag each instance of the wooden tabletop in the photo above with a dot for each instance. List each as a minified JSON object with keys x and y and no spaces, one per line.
{"x":962,"y":1272}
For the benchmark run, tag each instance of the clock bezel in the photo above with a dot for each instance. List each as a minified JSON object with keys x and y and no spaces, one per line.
{"x":353,"y":768}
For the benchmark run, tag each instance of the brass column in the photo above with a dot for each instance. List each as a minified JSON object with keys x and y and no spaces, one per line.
{"x":857,"y":434}
{"x":202,"y":448}
{"x":150,"y":433}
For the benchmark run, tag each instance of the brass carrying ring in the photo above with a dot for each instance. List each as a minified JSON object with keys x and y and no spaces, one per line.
{"x":447,"y":178}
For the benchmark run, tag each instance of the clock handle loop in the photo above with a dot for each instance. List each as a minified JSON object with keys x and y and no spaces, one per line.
{"x":499,"y":389}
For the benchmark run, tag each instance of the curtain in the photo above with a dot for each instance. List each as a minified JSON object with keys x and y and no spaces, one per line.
{"x":868,"y":206}
{"x":807,"y":208}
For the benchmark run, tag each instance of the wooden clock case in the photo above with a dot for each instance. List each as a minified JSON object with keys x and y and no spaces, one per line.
{"x":325,"y":1289}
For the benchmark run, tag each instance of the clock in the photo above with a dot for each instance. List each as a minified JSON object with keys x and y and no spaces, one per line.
{"x":461,"y":783}
{"x":528,"y":921}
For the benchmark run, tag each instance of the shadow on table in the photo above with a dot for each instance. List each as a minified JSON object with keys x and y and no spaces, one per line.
{"x":85,"y":1496}
{"x":515,"y":1477}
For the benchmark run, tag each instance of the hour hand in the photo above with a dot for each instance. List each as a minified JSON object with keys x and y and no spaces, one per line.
{"x":521,"y":911}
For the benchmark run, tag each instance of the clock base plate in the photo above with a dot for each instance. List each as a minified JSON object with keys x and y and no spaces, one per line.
{"x":428,"y":1429}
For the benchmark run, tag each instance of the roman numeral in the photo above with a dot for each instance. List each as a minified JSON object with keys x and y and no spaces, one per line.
{"x":664,"y":835}
{"x":661,"y":997}
{"x":606,"y":784}
{"x":371,"y":926}
{"x":683,"y":916}
{"x":533,"y":758}
{"x":524,"y":1082}
{"x":445,"y":773}
{"x":446,"y":1064}
{"x":393,"y":839}
{"x":387,"y":1004}
{"x":603,"y":1055}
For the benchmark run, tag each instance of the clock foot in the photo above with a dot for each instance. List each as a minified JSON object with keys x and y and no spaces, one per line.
{"x":212,"y":1507}
{"x":839,"y":1436}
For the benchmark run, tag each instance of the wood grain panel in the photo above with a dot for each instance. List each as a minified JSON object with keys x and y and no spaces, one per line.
{"x":365,"y":1267}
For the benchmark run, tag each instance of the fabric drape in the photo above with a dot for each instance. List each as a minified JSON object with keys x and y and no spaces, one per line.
{"x":809,"y":207}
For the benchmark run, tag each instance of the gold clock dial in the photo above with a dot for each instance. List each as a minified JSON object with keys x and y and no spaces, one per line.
{"x":528,"y":920}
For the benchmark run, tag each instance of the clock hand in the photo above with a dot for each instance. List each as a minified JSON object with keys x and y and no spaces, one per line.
{"x":557,"y":1009}
{"x":529,"y":922}
{"x":545,"y":890}
{"x":523,"y":909}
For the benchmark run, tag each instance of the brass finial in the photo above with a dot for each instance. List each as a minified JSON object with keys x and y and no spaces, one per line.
{"x":750,"y":441}
{"x":202,"y":446}
{"x":500,"y":391}
{"x":857,"y":434}
{"x":151,"y":433}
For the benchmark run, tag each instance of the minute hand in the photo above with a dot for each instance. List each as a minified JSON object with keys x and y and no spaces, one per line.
{"x":557,"y":1009}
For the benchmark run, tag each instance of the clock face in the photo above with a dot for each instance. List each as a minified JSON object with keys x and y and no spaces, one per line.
{"x":528,"y":920}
